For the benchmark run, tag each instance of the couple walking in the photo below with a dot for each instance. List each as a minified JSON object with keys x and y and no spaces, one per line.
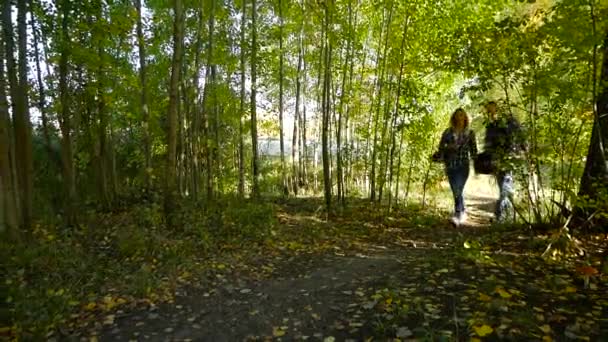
{"x":458,"y":145}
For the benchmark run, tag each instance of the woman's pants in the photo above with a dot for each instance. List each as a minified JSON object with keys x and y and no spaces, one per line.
{"x":457,"y":177}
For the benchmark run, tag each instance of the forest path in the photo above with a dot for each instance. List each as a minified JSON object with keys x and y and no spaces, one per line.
{"x":367,"y":274}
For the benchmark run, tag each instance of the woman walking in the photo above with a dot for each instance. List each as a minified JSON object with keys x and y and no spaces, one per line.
{"x":456,"y":148}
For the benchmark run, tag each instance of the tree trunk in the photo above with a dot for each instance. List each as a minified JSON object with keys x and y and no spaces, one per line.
{"x":303,"y":145}
{"x":17,"y":75}
{"x":378,"y":105}
{"x":241,"y":188}
{"x":396,"y":113}
{"x":595,"y":175}
{"x":144,"y":97}
{"x":281,"y":137}
{"x":294,"y":140}
{"x":41,"y":97}
{"x":65,"y":120}
{"x":23,"y":126}
{"x":326,"y":114}
{"x":398,"y":180}
{"x":102,"y":152}
{"x":198,"y":109}
{"x":296,"y":121}
{"x":216,"y":135}
{"x":170,"y":171}
{"x":254,"y":123}
{"x":9,"y":218}
{"x":208,"y":95}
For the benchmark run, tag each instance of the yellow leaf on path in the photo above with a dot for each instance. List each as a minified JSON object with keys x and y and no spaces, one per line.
{"x":474,"y":339}
{"x":503,"y":293}
{"x":570,"y":289}
{"x":90,"y":306}
{"x":484,"y":297}
{"x":109,"y":320}
{"x":277,"y":332}
{"x":483,"y":330}
{"x":545,"y":328}
{"x":547,"y":339}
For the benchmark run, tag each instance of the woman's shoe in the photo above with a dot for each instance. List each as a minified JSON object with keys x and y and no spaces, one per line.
{"x":462,"y":218}
{"x":454,"y":220}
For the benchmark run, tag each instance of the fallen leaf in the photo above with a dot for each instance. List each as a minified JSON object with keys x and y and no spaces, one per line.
{"x":369,"y":305}
{"x":403,"y":332}
{"x":547,"y":339}
{"x":109,"y":320}
{"x":503,"y":293}
{"x":277,"y":332}
{"x":545,"y":328}
{"x":484,"y":298}
{"x":483,"y":330}
{"x":570,"y":289}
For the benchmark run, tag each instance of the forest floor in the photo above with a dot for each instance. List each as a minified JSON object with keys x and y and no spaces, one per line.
{"x":245,"y":270}
{"x":367,"y":275}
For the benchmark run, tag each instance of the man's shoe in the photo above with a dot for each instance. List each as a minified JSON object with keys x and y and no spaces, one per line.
{"x":463,"y":218}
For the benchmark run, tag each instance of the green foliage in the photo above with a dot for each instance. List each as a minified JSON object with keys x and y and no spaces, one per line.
{"x":130,"y":255}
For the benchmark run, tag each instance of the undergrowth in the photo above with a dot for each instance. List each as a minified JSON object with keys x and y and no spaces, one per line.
{"x":61,"y":277}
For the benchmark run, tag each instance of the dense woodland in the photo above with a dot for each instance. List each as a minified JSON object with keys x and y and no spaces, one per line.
{"x":162,"y":109}
{"x":107,"y":100}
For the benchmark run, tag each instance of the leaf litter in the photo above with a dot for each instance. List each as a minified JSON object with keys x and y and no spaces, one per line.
{"x":295,"y":286}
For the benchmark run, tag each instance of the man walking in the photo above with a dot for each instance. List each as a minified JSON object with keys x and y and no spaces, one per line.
{"x":503,"y":140}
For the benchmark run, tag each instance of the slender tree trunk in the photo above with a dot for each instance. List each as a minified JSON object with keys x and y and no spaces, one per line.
{"x":296,"y":178}
{"x":179,"y":148}
{"x":42,"y":96}
{"x":196,"y":112}
{"x":23,"y":126}
{"x":397,"y":181}
{"x":144,"y":96}
{"x":101,"y":152}
{"x":396,"y":112}
{"x":9,"y":218}
{"x":326,"y":113}
{"x":304,"y":144}
{"x":216,"y":132}
{"x":170,"y":171}
{"x":241,"y":188}
{"x":254,"y":123}
{"x":294,"y":141}
{"x":65,"y":122}
{"x":409,"y":174}
{"x":368,"y":140}
{"x":383,"y":152}
{"x":209,"y":108}
{"x":281,"y":137}
{"x":378,"y":105}
{"x":17,"y":76}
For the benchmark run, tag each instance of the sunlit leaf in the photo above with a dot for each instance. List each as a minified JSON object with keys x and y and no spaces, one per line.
{"x":483,"y":330}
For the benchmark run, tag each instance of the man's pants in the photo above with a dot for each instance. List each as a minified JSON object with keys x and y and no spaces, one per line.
{"x":505,"y":198}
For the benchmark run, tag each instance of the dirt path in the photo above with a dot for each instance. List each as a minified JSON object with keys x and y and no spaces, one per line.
{"x":404,"y":280}
{"x":313,"y":297}
{"x":312,"y":302}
